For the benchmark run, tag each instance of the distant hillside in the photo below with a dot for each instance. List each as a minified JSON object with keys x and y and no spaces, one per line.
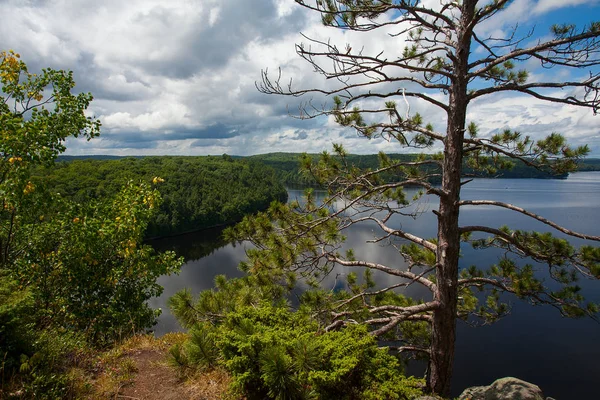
{"x":93,"y":157}
{"x":590,"y":164}
{"x":286,"y":166}
{"x":198,"y":192}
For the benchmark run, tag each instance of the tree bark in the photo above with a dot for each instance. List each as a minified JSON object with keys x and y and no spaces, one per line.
{"x":443,"y":333}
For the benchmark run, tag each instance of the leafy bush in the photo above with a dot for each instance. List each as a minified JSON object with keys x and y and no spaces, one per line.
{"x":86,"y":268}
{"x":44,"y":374}
{"x":71,"y":274}
{"x":83,"y":279}
{"x":16,"y":319}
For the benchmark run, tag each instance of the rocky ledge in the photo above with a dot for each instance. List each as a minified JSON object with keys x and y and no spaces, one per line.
{"x":502,"y":389}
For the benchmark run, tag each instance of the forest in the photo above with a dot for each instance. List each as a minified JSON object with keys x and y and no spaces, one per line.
{"x":288,"y":169}
{"x":197,"y":192}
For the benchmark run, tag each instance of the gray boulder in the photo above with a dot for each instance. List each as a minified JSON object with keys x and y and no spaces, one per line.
{"x":504,"y":389}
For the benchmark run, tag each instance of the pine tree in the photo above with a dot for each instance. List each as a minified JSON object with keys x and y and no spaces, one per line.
{"x":447,"y":64}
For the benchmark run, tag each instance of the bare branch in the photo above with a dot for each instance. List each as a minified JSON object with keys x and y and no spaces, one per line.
{"x":406,"y":313}
{"x":402,"y":234}
{"x":529,"y":214}
{"x":526,"y":88}
{"x":552,"y":45}
{"x":390,"y":271}
{"x":405,"y":349}
{"x":419,"y":95}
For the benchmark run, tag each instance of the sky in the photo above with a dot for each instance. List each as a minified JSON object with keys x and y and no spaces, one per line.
{"x":178,"y":77}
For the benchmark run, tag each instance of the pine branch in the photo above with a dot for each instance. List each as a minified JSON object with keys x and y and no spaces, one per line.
{"x":405,"y":6}
{"x":542,"y":296}
{"x":489,"y":11}
{"x":514,"y":241}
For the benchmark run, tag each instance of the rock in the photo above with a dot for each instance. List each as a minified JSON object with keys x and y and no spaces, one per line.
{"x":504,"y":389}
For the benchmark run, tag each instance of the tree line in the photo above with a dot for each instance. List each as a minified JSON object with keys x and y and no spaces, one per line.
{"x":288,"y":169}
{"x":197,"y":192}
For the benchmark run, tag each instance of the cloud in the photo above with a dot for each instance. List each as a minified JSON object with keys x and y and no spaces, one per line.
{"x":524,"y":15}
{"x":535,"y":118}
{"x":179,"y":76}
{"x":544,"y":6}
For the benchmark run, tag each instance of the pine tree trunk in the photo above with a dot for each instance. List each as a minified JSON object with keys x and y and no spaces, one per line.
{"x":443,"y":333}
{"x":444,"y":318}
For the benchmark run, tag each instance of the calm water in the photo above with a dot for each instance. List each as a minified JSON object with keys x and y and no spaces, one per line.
{"x":533,"y":343}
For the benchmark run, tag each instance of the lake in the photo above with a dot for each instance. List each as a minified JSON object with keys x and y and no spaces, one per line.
{"x":536,"y":344}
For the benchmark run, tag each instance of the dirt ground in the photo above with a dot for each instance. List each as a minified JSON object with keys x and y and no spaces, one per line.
{"x":154,"y":379}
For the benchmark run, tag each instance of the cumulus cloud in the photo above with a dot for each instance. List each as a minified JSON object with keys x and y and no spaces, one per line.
{"x":525,"y":12}
{"x":544,"y":6}
{"x":178,"y":76}
{"x":535,"y":118}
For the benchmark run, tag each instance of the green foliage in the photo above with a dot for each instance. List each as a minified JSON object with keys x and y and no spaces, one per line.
{"x":549,"y":157}
{"x":44,"y":373}
{"x":197,"y":192}
{"x":355,"y":365}
{"x":510,"y":276}
{"x":17,"y":316}
{"x":36,"y":357}
{"x":37,"y":113}
{"x":275,"y":353}
{"x":87,"y":268}
{"x":200,"y":349}
{"x":71,"y":274}
{"x":83,"y":278}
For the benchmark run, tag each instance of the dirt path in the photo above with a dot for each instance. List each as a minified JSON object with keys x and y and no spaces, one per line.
{"x":154,"y":379}
{"x":138,"y":369}
{"x":141,"y":371}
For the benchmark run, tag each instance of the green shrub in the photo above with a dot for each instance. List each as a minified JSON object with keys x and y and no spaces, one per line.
{"x":16,"y":322}
{"x":275,"y":353}
{"x":45,"y":362}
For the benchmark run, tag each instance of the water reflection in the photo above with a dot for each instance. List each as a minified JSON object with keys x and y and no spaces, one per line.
{"x":534,"y":343}
{"x":192,"y":246}
{"x":207,"y":255}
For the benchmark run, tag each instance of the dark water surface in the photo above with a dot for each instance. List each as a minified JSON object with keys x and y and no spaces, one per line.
{"x":536,"y":344}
